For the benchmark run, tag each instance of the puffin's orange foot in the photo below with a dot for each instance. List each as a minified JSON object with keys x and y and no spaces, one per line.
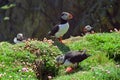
{"x":69,"y":70}
{"x":60,"y":40}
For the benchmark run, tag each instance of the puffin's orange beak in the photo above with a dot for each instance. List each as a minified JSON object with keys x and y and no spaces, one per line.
{"x":70,"y":16}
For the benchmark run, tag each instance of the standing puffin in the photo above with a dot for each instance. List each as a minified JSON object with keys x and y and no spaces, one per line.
{"x":59,"y":30}
{"x":19,"y":38}
{"x":72,"y":58}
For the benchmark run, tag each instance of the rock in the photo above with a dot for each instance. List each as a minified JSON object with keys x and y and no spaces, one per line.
{"x":35,"y":18}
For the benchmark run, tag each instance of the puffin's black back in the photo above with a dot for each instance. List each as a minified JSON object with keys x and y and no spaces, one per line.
{"x":54,"y":30}
{"x":76,"y":56}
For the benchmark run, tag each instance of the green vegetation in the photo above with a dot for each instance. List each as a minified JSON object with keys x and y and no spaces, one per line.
{"x":5,"y":7}
{"x":104,"y":62}
{"x":19,"y":61}
{"x":12,"y":60}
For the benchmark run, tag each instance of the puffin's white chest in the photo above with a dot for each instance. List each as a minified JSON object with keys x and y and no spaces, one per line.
{"x":67,"y":63}
{"x":16,"y":41}
{"x":63,"y":28}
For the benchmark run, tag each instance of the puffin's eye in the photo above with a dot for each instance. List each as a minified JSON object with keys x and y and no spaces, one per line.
{"x":62,"y":14}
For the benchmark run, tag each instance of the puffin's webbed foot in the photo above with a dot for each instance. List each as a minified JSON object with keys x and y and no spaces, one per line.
{"x":60,"y":40}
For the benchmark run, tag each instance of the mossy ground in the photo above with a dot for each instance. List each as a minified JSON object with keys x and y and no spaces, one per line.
{"x":104,"y":64}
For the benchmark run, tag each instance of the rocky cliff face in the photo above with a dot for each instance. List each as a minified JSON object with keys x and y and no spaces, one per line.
{"x":34,"y":18}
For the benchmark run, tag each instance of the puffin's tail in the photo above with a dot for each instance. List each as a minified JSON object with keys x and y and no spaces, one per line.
{"x":47,"y":35}
{"x":84,"y":52}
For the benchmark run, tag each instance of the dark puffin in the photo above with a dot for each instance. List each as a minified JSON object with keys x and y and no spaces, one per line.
{"x":19,"y":38}
{"x":72,"y":58}
{"x":59,"y":30}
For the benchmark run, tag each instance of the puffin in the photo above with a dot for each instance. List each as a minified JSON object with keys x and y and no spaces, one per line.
{"x":59,"y":30}
{"x":19,"y":38}
{"x":72,"y":58}
{"x":88,"y":29}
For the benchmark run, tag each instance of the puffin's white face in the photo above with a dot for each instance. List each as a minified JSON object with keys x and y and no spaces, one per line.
{"x":60,"y":59}
{"x":88,"y":27}
{"x":20,"y":36}
{"x":66,"y":16}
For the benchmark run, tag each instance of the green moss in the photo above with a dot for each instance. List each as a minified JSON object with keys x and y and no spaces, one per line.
{"x":103,"y":64}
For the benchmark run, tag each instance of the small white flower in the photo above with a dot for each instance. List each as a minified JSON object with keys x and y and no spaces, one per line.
{"x":1,"y":75}
{"x":24,"y":69}
{"x":108,"y":71}
{"x":49,"y":77}
{"x":10,"y":76}
{"x":117,"y":66}
{"x":93,"y":76}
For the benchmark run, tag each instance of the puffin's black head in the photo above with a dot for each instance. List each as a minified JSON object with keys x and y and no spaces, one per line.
{"x":20,"y":36}
{"x":66,"y":16}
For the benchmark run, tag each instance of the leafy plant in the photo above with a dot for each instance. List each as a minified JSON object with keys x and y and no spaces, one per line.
{"x":107,"y":42}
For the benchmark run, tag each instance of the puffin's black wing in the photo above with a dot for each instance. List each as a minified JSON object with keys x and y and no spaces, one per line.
{"x":54,"y":30}
{"x":76,"y":56}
